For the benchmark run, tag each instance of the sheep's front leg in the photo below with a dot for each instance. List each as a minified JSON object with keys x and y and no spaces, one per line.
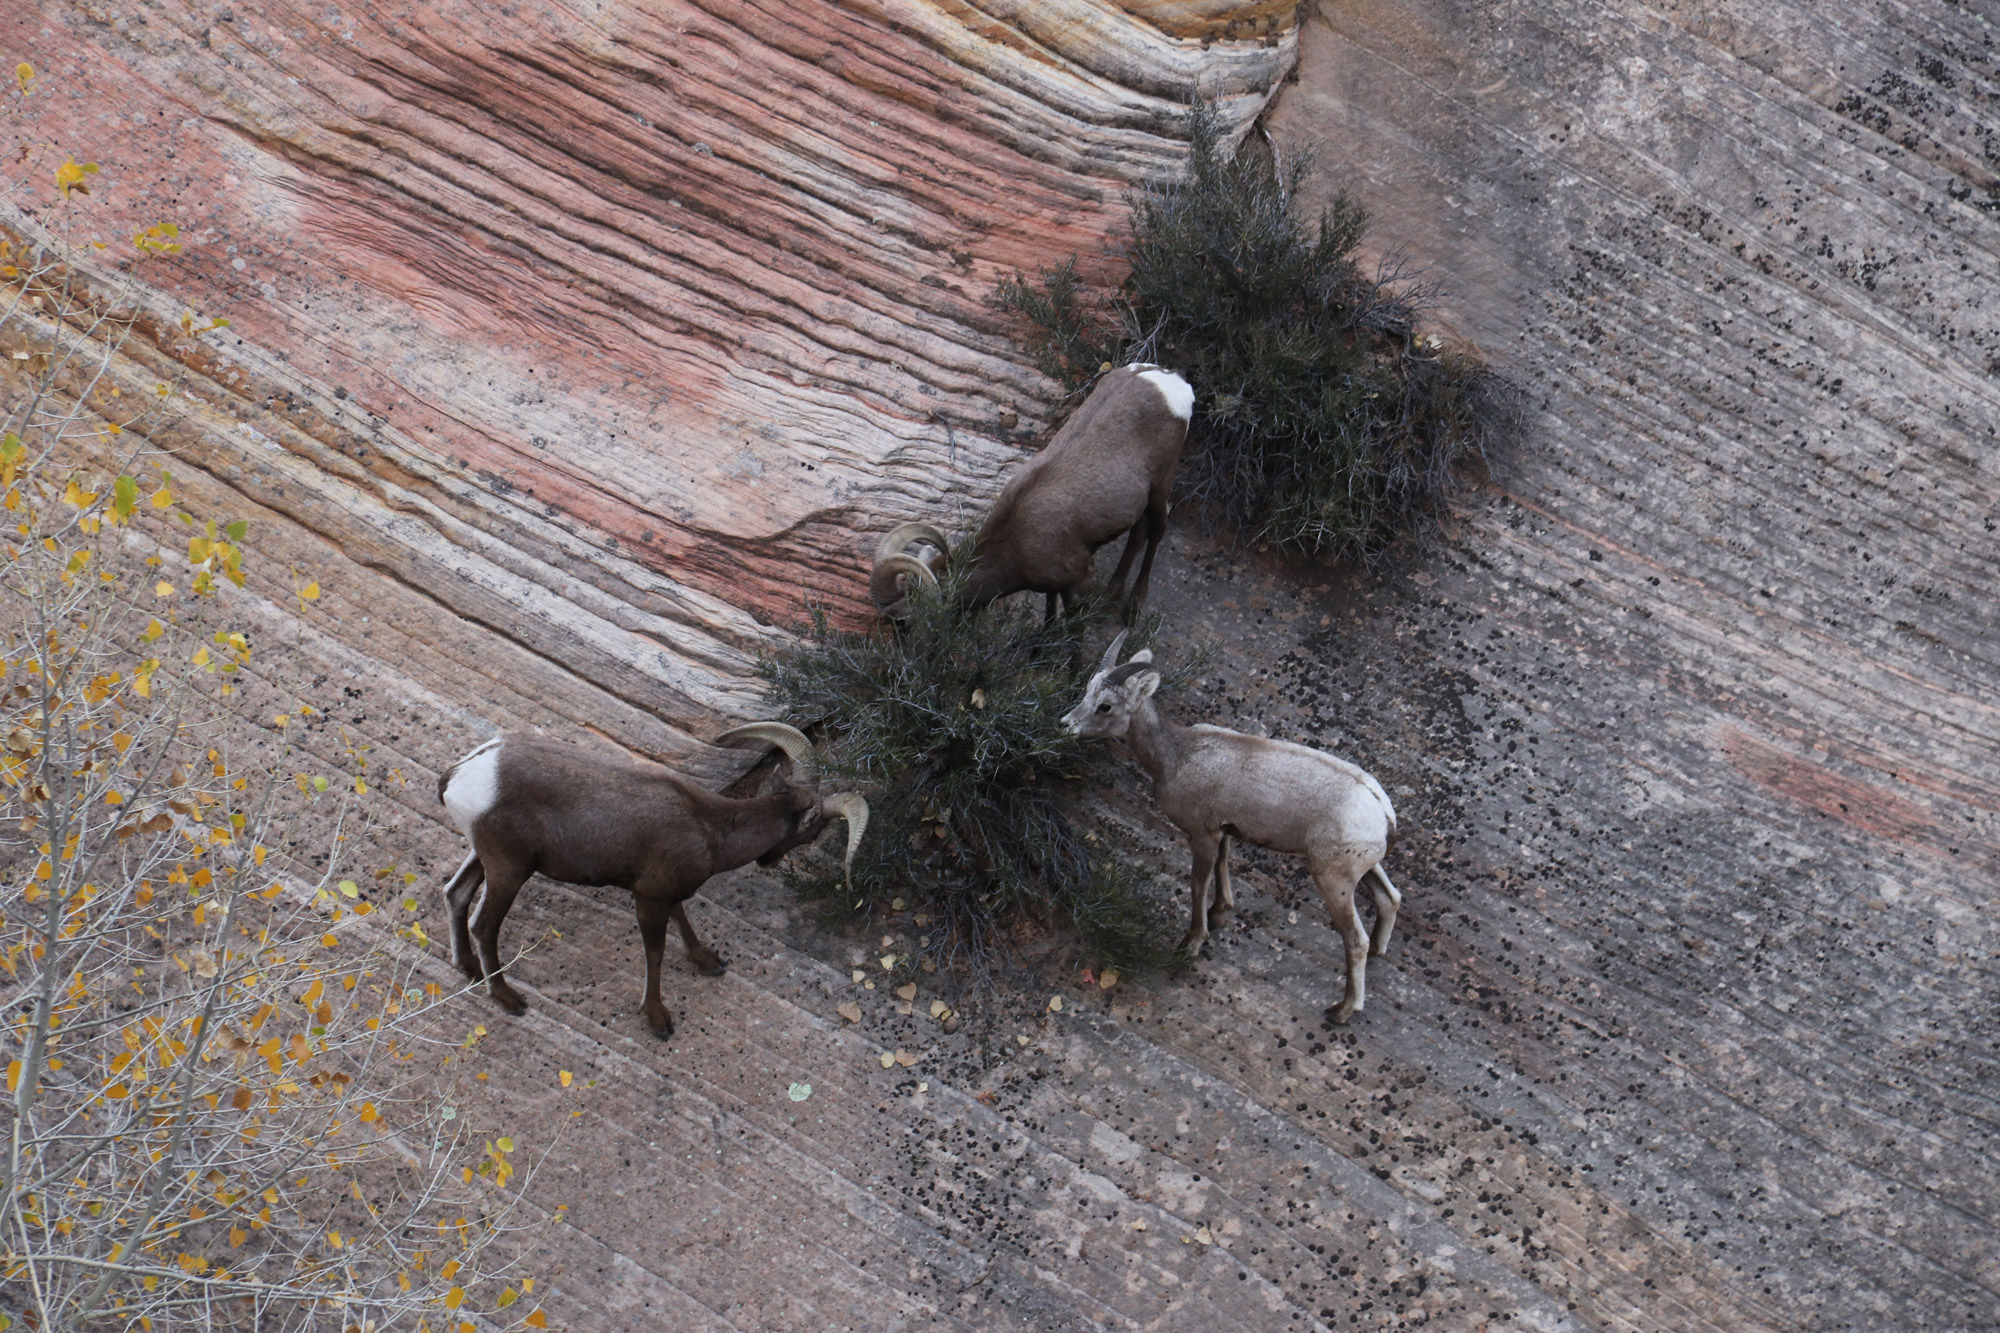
{"x":1204,"y":847}
{"x":653,"y":918}
{"x":1225,"y":901}
{"x":706,"y":960}
{"x":1337,"y":883}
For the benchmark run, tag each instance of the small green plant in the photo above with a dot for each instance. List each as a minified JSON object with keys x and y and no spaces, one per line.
{"x":956,"y":720}
{"x":1323,"y":420}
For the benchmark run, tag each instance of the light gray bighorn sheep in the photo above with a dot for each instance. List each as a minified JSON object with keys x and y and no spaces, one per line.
{"x":1109,"y":470}
{"x":581,"y":817}
{"x":1216,"y":784}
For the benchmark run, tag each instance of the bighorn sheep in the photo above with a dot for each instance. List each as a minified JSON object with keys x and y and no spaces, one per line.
{"x":530,"y":805}
{"x":1109,"y":470}
{"x":1216,"y":784}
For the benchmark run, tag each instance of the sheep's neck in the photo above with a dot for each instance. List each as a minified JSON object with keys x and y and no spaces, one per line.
{"x":754,"y":826}
{"x":1155,"y":742}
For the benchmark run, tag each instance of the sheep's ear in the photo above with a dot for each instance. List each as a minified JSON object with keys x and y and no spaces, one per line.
{"x":1143,"y":655}
{"x":1142,"y":686}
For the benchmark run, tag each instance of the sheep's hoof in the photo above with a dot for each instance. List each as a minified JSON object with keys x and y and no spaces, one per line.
{"x":1191,"y":945}
{"x":1343,"y":1011}
{"x":662,"y":1026}
{"x":708,"y":964}
{"x":507,"y":998}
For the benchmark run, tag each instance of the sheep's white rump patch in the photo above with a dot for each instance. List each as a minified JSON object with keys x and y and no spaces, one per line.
{"x":474,"y":786}
{"x":1178,"y":393}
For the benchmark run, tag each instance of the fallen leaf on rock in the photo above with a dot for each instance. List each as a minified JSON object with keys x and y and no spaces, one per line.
{"x":939,"y":1008}
{"x":1139,"y":1225}
{"x":1204,"y":1237}
{"x":1055,"y":1004}
{"x":905,"y":1059}
{"x":1021,"y":1039}
{"x":888,"y":1060}
{"x":1107,"y":978}
{"x":908,"y":992}
{"x":859,"y":975}
{"x":798,"y":1092}
{"x":888,"y":961}
{"x":849,"y":1011}
{"x":903,"y":1008}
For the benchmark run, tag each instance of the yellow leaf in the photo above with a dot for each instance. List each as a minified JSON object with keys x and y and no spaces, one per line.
{"x":237,"y":1235}
{"x":24,"y":74}
{"x":163,"y":498}
{"x":330,"y":941}
{"x":310,"y":592}
{"x":507,"y":1298}
{"x":537,"y":1319}
{"x":13,"y":1074}
{"x":566,"y":1076}
{"x":163,"y":589}
{"x":369,"y":1115}
{"x":454,"y":1298}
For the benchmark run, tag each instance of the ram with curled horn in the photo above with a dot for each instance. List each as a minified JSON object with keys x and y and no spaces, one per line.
{"x":1109,"y":471}
{"x":529,"y":805}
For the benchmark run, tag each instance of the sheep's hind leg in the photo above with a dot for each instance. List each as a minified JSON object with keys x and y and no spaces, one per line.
{"x":1387,"y":900}
{"x":706,"y":960}
{"x":1156,"y":528}
{"x":653,"y":918}
{"x":1204,"y":848}
{"x":459,"y":892}
{"x":1337,"y":881}
{"x":1224,"y":901}
{"x":503,"y":885}
{"x":1135,"y":537}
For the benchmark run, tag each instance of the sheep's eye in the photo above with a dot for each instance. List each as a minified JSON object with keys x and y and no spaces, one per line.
{"x":1104,"y":708}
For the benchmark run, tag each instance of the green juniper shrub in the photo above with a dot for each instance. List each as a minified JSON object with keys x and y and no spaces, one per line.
{"x":1322,"y":420}
{"x":955,"y":723}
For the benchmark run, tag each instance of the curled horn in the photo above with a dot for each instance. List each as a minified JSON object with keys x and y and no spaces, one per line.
{"x":901,"y":538}
{"x":1110,"y":658}
{"x":787,"y":738}
{"x":892,"y":558}
{"x":882,"y":584}
{"x":849,"y":806}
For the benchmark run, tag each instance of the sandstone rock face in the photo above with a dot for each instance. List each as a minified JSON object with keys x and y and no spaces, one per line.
{"x":620,"y":324}
{"x":577,"y":344}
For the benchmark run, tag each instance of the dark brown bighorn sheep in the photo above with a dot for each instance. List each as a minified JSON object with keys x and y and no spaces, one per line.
{"x":1216,"y":784}
{"x":580,"y":817}
{"x":1109,"y":470}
